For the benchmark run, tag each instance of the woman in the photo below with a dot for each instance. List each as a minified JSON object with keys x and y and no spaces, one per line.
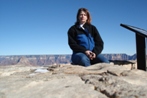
{"x":85,"y":41}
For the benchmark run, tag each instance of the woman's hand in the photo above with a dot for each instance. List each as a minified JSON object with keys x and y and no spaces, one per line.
{"x":93,"y":55}
{"x":90,"y":54}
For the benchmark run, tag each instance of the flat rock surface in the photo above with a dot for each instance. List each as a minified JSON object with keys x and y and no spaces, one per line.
{"x":72,"y":81}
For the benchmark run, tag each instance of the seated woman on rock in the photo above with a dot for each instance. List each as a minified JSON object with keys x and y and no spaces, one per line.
{"x":85,"y":41}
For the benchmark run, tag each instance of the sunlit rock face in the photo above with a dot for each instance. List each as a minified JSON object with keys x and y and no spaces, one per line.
{"x":72,"y":81}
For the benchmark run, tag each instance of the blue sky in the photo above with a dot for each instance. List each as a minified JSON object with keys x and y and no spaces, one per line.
{"x":32,"y":27}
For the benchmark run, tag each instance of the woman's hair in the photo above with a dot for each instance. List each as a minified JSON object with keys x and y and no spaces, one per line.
{"x":87,"y":13}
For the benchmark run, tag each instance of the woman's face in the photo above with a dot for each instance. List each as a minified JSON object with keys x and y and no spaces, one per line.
{"x":82,"y":17}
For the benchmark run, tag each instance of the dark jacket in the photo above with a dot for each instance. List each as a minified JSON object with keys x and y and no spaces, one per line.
{"x":81,"y":40}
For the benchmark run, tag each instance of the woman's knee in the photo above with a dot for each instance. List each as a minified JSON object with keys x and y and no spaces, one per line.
{"x":81,"y":59}
{"x":102,"y":58}
{"x":84,"y":59}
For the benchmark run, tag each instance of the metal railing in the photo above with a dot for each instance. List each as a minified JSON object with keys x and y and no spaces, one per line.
{"x":141,"y":35}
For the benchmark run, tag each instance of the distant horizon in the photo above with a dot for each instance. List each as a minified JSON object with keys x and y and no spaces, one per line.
{"x":61,"y":54}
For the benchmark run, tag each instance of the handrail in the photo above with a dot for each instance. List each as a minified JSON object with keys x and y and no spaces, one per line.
{"x":135,"y":29}
{"x":141,"y":35}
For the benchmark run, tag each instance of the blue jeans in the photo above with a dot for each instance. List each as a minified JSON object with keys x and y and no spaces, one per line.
{"x":82,"y":59}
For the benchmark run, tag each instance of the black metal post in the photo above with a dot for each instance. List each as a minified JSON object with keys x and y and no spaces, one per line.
{"x":141,"y":52}
{"x":141,"y":36}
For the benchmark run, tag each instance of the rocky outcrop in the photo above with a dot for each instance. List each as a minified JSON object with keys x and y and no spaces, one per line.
{"x":72,"y":81}
{"x":36,"y":60}
{"x":120,"y":56}
{"x":40,"y":60}
{"x":24,"y":61}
